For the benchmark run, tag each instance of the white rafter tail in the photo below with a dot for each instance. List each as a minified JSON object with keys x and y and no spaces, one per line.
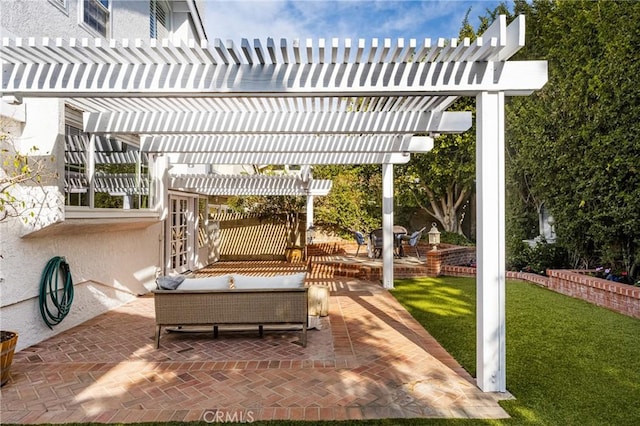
{"x":410,"y":53}
{"x":335,"y":45}
{"x":347,"y":51}
{"x":309,"y":49}
{"x":220,"y":50}
{"x":515,"y":38}
{"x":271,"y":50}
{"x":497,"y":29}
{"x":372,"y":51}
{"x":259,"y":51}
{"x":233,"y":52}
{"x":424,"y":51}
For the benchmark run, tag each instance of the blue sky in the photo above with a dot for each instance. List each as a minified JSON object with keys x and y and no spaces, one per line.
{"x":302,"y":19}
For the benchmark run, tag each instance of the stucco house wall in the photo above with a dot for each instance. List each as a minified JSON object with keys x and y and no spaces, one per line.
{"x":43,"y":18}
{"x":112,"y":260}
{"x":113,"y":257}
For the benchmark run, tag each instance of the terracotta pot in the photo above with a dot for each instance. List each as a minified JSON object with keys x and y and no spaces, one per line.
{"x":8,"y":340}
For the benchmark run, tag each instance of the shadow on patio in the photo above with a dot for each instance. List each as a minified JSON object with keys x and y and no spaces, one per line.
{"x":370,"y":360}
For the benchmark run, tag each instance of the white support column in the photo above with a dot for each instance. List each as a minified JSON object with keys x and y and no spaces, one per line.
{"x":309,"y":212}
{"x":387,"y":225}
{"x":159,"y":189}
{"x":490,"y":188}
{"x":91,"y":170}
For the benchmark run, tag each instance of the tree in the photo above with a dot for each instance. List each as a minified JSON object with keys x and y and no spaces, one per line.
{"x":442,"y":181}
{"x":354,"y":202}
{"x":575,"y":144}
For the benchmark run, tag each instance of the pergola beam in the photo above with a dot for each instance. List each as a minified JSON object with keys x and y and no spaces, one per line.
{"x":194,"y":80}
{"x":282,"y":158}
{"x":253,"y":122}
{"x":250,"y":185}
{"x":285,"y":143}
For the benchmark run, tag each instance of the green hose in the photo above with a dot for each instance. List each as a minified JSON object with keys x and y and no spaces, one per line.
{"x":60,"y":297}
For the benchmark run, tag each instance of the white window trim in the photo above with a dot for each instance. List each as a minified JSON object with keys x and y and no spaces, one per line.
{"x":61,"y":5}
{"x":75,"y":212}
{"x":90,"y":29}
{"x":72,"y":118}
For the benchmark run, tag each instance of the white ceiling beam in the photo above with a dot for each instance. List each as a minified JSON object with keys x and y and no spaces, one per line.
{"x":276,"y":158}
{"x":285,"y":143}
{"x":277,"y":122}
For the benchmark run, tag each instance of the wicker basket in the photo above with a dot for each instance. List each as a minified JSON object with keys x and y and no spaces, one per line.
{"x":7,"y":348}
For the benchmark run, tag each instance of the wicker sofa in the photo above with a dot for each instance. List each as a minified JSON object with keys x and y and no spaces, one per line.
{"x":233,"y":300}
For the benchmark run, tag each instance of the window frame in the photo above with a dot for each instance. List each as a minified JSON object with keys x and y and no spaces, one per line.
{"x":100,"y":5}
{"x":88,"y":168}
{"x":153,"y":18}
{"x":61,"y":5}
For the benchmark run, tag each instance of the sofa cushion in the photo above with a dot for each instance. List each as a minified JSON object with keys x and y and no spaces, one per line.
{"x":220,"y":282}
{"x":244,"y":282}
{"x":169,"y":282}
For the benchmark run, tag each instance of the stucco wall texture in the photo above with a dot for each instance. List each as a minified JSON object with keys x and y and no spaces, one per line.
{"x":42,"y":18}
{"x":110,"y":263}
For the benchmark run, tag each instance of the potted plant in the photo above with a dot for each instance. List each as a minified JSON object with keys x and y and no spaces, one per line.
{"x":8,"y":341}
{"x":17,"y":169}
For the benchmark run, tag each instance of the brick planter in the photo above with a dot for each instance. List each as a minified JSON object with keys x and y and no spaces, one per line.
{"x":622,"y":298}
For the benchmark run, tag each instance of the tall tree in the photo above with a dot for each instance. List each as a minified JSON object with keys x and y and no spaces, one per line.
{"x":441,"y":182}
{"x":354,"y":202}
{"x":575,"y":144}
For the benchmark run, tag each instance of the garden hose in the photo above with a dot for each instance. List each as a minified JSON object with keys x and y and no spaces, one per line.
{"x":51,"y":292}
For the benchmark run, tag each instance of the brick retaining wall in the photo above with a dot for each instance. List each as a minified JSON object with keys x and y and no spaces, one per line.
{"x":618,"y":297}
{"x":621,"y":298}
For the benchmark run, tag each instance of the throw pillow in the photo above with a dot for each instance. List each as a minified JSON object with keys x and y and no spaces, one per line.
{"x":169,"y":283}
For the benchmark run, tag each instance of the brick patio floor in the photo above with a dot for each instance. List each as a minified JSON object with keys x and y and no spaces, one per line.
{"x":369,"y":360}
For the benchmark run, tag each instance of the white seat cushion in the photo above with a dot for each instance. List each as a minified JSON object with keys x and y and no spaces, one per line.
{"x":220,"y":282}
{"x":245,"y":282}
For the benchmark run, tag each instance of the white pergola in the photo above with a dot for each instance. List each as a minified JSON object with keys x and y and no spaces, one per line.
{"x":303,"y":103}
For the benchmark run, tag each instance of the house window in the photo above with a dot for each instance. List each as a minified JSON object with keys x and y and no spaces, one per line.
{"x":76,"y":183}
{"x":95,"y":15}
{"x":158,"y":19}
{"x":103,"y":172}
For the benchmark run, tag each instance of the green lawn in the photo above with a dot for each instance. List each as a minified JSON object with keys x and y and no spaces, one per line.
{"x":568,"y":362}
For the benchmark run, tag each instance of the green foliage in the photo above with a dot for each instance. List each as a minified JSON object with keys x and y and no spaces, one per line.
{"x":454,"y":238}
{"x":568,"y":361}
{"x":575,"y":144}
{"x":537,"y":259}
{"x":354,"y":202}
{"x":441,"y":182}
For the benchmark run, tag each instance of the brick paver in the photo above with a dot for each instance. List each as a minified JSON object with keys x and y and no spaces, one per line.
{"x":369,"y":360}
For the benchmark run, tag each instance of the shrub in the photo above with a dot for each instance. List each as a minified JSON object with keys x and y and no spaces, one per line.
{"x":537,"y":259}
